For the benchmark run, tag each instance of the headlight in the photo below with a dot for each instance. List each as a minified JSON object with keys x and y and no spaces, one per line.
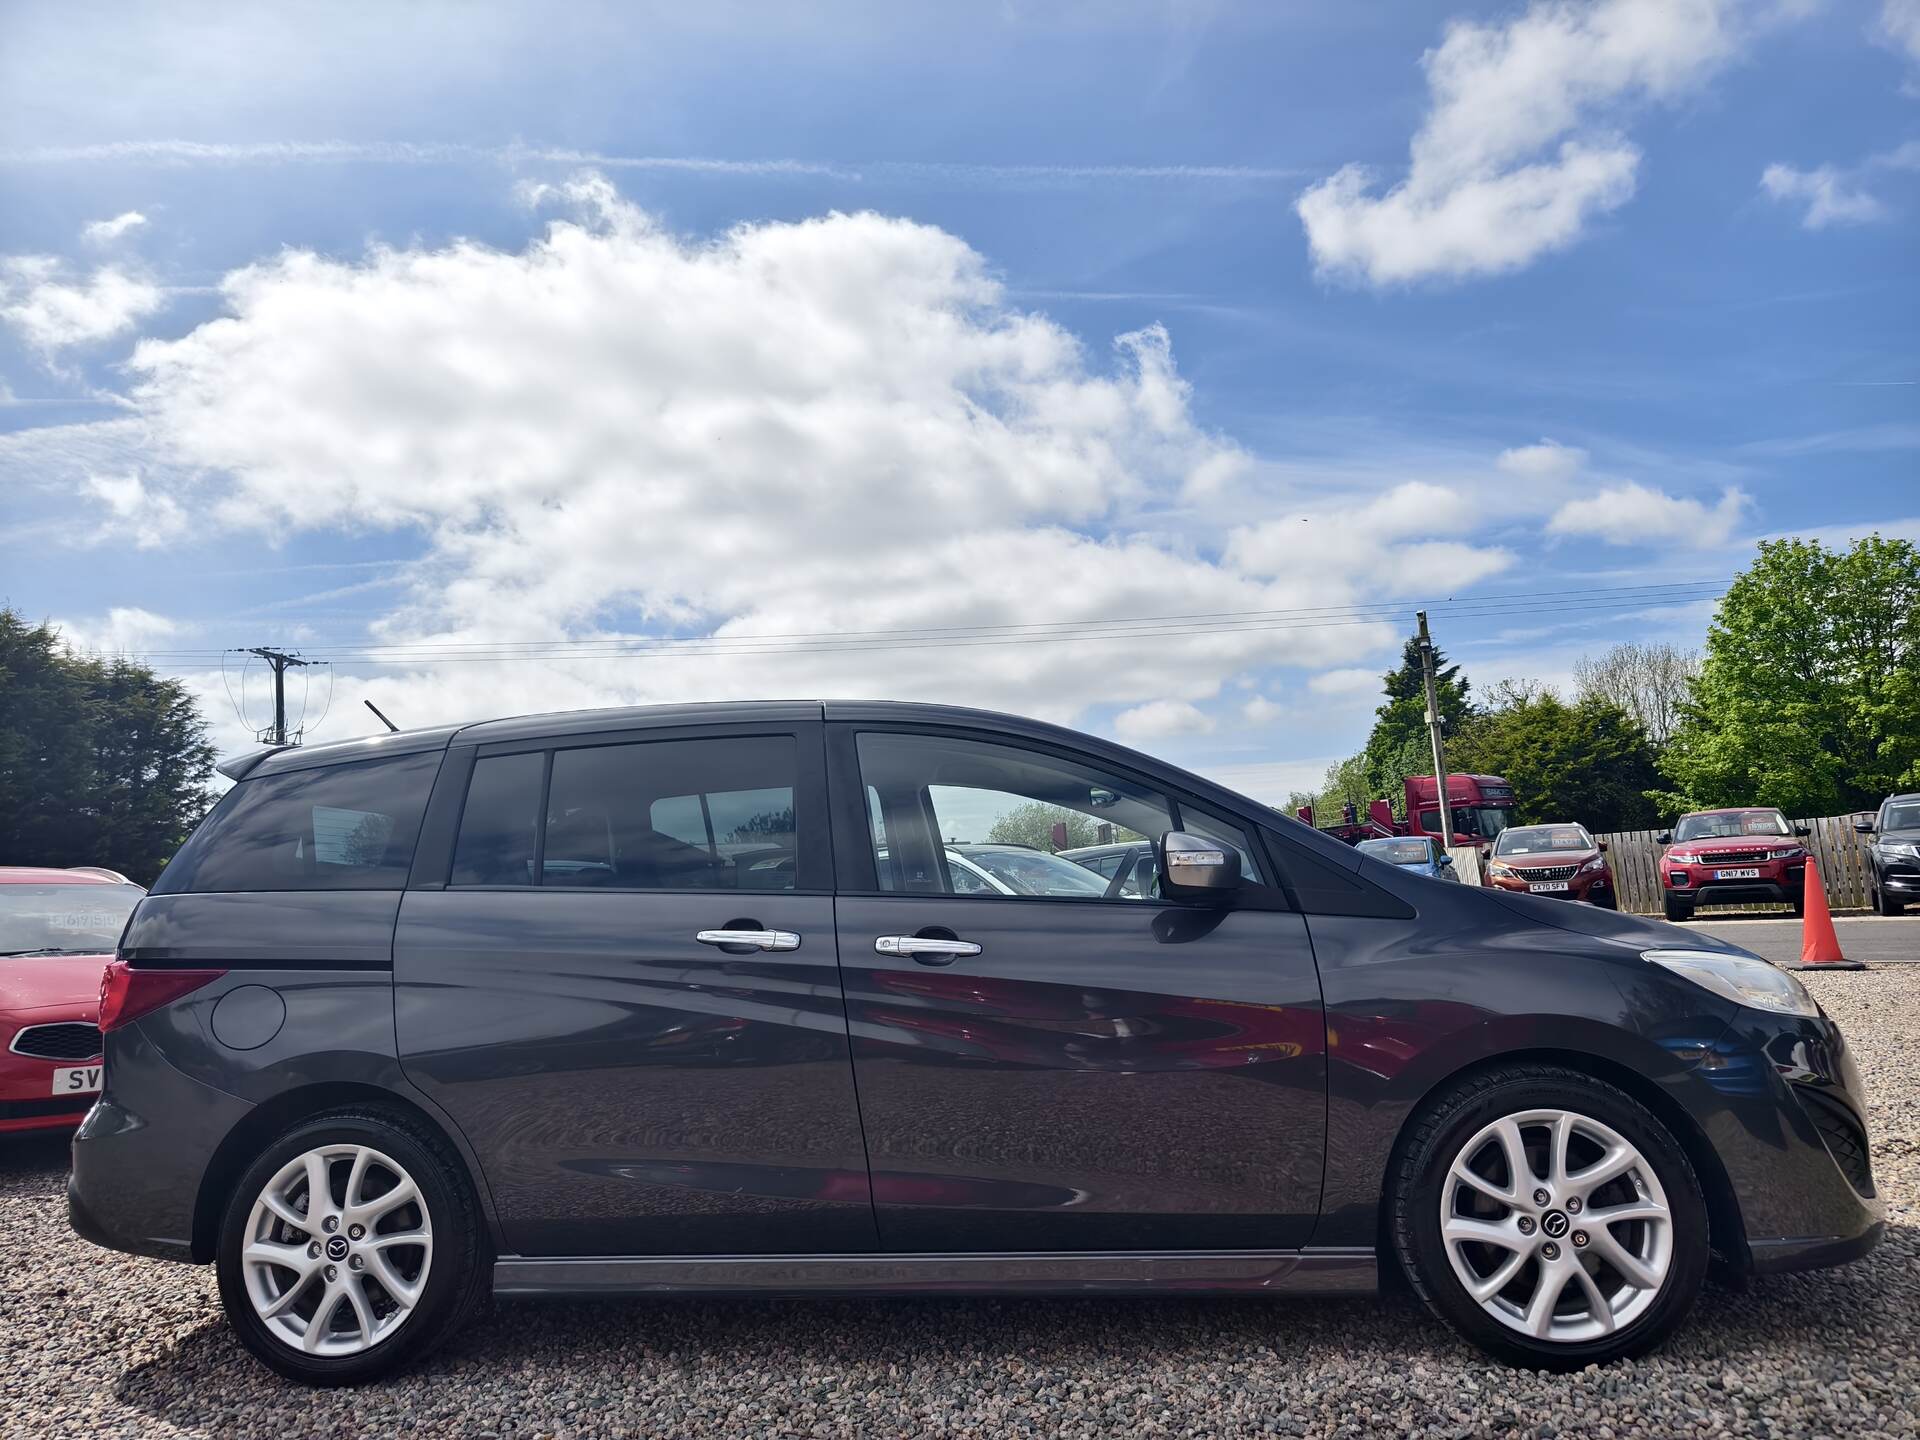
{"x":1683,"y":857}
{"x":1739,"y":978}
{"x":1598,"y":862}
{"x":1900,"y":847}
{"x":1792,"y":852}
{"x":1501,"y":871}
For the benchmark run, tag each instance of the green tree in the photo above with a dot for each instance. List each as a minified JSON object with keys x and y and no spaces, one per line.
{"x":1399,"y":745}
{"x":102,"y":762}
{"x":1590,"y":761}
{"x":1809,"y":695}
{"x":1032,"y":824}
{"x":1345,"y":781}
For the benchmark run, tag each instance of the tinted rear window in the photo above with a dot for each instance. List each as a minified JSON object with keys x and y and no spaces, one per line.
{"x":338,"y":827}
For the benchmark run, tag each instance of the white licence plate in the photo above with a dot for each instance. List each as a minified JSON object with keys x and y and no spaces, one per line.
{"x":1540,"y":887}
{"x":1736,"y":874}
{"x":77,"y":1080}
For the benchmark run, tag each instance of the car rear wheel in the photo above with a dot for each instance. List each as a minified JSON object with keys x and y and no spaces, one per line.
{"x":1549,"y":1218}
{"x":350,"y":1247}
{"x":1678,"y":908}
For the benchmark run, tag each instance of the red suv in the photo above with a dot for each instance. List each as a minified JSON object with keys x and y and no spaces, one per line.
{"x":1732,"y":857}
{"x":57,"y":932}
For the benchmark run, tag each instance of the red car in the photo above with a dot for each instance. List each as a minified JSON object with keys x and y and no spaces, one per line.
{"x":1732,"y":857}
{"x":1562,"y":860}
{"x":58,"y":929}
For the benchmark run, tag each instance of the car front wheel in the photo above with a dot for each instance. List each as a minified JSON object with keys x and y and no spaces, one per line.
{"x":1678,"y":909}
{"x":350,"y":1247}
{"x":1549,"y":1218}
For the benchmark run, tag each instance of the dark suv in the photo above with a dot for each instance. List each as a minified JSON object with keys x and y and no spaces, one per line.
{"x":1893,"y":855}
{"x":689,"y":999}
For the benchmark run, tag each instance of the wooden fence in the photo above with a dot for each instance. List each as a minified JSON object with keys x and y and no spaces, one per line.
{"x":1838,"y":849}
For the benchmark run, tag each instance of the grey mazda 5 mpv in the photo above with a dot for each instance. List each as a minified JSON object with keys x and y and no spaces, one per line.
{"x":709,"y":999}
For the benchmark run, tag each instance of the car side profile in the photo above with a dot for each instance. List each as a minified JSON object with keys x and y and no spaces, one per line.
{"x":691,"y":999}
{"x":1893,"y":854}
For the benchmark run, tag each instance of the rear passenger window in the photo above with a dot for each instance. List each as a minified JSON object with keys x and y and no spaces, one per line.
{"x":334,"y":827}
{"x":501,"y":822}
{"x":673,"y":815}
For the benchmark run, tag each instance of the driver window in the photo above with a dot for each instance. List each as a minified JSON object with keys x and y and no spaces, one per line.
{"x":969,"y":817}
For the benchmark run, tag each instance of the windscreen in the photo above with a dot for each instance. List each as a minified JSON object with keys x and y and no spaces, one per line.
{"x":64,"y":919}
{"x":1732,"y":822}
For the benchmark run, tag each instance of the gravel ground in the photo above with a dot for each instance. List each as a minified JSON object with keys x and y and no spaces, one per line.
{"x":96,"y":1343}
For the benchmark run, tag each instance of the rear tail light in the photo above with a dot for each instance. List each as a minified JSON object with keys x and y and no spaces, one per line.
{"x":126,"y":993}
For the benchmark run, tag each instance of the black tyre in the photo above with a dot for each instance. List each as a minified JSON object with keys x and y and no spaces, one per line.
{"x":1604,"y":1267}
{"x":351,"y":1246}
{"x":1678,"y":908}
{"x":1885,"y":904}
{"x":1608,"y":900}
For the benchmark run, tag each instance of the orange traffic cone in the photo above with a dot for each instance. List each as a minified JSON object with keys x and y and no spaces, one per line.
{"x":1819,"y":945}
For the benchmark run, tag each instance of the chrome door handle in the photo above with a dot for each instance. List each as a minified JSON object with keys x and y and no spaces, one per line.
{"x":926,"y":951}
{"x":758,"y":939}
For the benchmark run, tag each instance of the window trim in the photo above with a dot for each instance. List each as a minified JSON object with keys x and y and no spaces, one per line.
{"x":813,"y":859}
{"x":853,"y":859}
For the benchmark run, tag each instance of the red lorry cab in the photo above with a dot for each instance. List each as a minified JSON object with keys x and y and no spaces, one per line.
{"x":1482,"y":807}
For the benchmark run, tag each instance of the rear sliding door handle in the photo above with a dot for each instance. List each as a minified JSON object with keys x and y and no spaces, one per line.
{"x":754,"y":939}
{"x":927,"y":951}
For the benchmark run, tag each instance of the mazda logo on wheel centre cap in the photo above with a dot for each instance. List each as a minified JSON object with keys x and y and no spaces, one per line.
{"x":1554,"y":1223}
{"x":337,"y":1247}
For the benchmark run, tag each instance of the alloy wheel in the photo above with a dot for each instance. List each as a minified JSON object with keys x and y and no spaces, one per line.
{"x":337,"y":1250}
{"x":1556,"y":1225}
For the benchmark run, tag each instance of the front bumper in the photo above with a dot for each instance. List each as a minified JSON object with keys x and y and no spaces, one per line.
{"x":1789,"y":1130}
{"x":27,"y":1097}
{"x":1595,"y":887}
{"x":1781,"y":882}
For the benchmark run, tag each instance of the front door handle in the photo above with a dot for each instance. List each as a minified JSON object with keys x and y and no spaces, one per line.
{"x":928,"y":951}
{"x":750,"y":939}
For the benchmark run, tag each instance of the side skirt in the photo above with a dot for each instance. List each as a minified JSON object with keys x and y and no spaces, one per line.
{"x":1191,"y":1272}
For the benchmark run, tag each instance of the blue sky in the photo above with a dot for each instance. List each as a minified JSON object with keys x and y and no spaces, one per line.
{"x":455,"y":327}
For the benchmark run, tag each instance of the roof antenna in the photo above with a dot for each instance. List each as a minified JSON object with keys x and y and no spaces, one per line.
{"x":383,"y":719}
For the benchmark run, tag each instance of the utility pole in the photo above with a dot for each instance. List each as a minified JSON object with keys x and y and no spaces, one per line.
{"x":281,"y":661}
{"x":1433,"y":731}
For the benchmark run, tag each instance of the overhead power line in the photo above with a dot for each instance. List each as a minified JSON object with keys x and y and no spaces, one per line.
{"x":1138,"y":627}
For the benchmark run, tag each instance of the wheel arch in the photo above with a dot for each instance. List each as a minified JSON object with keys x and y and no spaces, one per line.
{"x":1726,"y":1228}
{"x":259,"y":1126}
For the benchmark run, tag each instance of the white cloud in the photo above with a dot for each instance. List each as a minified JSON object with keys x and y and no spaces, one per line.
{"x":1331,"y":545}
{"x":1830,"y":197}
{"x":1159,"y":719}
{"x":123,"y":630}
{"x":828,"y":426}
{"x":1835,"y":196}
{"x":1548,"y":460}
{"x":1899,"y":27}
{"x":1262,"y":711}
{"x":105,"y":232}
{"x":1518,"y":150}
{"x":1634,"y":514}
{"x":1346,"y":681}
{"x":52,"y":312}
{"x":149,"y":517}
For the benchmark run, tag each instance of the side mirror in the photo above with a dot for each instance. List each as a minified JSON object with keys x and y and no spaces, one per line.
{"x":1193,"y":868}
{"x":1665,"y":837}
{"x":1865,"y":827}
{"x":1803,"y":830}
{"x":1446,"y":859}
{"x":1601,"y":843}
